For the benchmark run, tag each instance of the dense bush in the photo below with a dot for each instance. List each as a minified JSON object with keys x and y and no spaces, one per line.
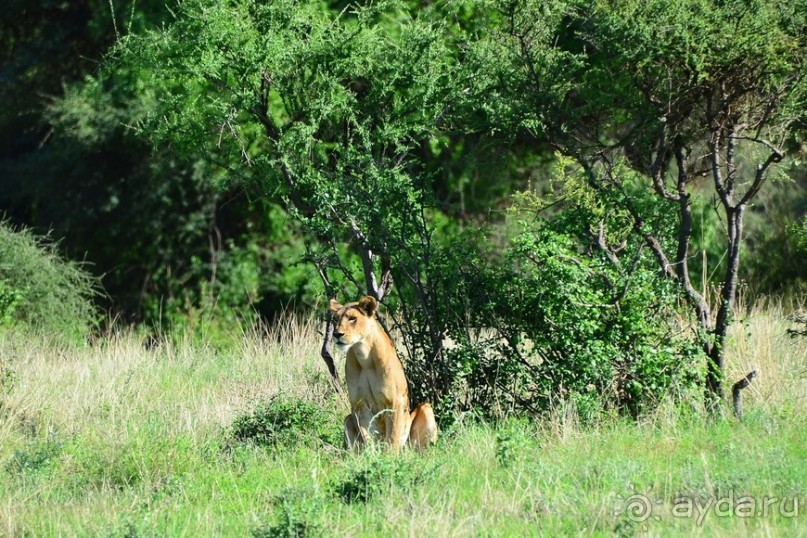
{"x":342,"y":116}
{"x":41,"y":290}
{"x":385,"y":129}
{"x":544,"y":322}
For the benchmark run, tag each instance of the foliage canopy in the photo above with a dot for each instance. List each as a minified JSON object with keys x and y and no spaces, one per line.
{"x":395,"y":135}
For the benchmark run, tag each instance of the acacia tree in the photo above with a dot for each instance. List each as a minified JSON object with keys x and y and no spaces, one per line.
{"x":657,"y":102}
{"x":331,"y":112}
{"x":325,"y":111}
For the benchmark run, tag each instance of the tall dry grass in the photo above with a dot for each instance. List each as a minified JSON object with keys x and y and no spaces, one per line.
{"x":193,"y":387}
{"x":759,"y":340}
{"x":142,"y":424}
{"x":128,"y":379}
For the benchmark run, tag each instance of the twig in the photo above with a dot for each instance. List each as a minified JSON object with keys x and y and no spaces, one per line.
{"x":736,"y":392}
{"x":325,"y":351}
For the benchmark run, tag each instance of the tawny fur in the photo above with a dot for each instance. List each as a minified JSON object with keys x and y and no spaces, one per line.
{"x":379,"y":398}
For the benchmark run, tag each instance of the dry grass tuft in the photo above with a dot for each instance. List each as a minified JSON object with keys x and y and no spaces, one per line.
{"x":759,"y":340}
{"x":184,"y":386}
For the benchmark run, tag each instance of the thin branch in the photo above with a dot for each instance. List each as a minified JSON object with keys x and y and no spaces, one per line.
{"x":345,"y":271}
{"x":736,"y":392}
{"x":775,"y":150}
{"x":731,"y":167}
{"x":325,"y":351}
{"x":717,"y":172}
{"x":659,"y":166}
{"x":684,"y":236}
{"x":761,"y":175}
{"x":602,"y":244}
{"x":367,"y":256}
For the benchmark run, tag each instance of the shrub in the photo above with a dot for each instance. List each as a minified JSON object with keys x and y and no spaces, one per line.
{"x":545,"y":322}
{"x":296,"y":516}
{"x":288,"y":421}
{"x":35,"y":456}
{"x":511,"y":441}
{"x":376,"y":473}
{"x":41,"y":290}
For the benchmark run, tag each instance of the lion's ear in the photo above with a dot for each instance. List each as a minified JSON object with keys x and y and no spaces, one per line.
{"x":368,"y":305}
{"x":334,"y":306}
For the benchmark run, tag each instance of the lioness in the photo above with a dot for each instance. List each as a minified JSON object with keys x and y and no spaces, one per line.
{"x":379,"y":397}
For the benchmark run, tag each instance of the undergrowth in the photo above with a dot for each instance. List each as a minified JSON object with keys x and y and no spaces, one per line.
{"x":42,"y":291}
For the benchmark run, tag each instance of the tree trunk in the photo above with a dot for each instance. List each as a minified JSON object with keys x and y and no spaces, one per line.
{"x":734,"y":223}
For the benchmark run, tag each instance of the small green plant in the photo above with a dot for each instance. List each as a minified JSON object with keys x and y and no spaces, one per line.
{"x":126,"y":529}
{"x":798,"y":234}
{"x":35,"y":456}
{"x":511,"y":441}
{"x":9,"y":301}
{"x":287,"y":421}
{"x":377,"y":473}
{"x":295,"y":517}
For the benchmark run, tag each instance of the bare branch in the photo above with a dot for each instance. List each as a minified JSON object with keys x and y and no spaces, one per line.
{"x":325,"y":350}
{"x":736,"y":392}
{"x":684,"y":236}
{"x":659,"y":166}
{"x":717,"y":172}
{"x":761,"y":175}
{"x":731,"y":167}
{"x":764,"y":142}
{"x":602,"y":244}
{"x":367,"y":262}
{"x":386,"y":276}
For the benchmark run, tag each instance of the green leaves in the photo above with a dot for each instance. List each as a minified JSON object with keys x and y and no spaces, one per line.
{"x":42,"y":292}
{"x":355,"y":119}
{"x":282,"y":422}
{"x":325,"y":108}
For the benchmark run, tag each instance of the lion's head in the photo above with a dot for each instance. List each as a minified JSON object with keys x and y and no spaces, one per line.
{"x":353,"y":322}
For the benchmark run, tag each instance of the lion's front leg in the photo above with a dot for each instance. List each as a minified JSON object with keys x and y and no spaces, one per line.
{"x":397,"y":422}
{"x":355,"y":435}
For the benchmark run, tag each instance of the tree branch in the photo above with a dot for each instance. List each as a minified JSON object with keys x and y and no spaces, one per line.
{"x":659,"y":166}
{"x":367,"y":262}
{"x":761,"y":174}
{"x":731,"y":167}
{"x":325,"y":350}
{"x":684,"y":236}
{"x":717,"y":172}
{"x":602,"y":244}
{"x":736,"y":392}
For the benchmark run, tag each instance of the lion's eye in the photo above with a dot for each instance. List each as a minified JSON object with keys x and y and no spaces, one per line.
{"x":352,"y":320}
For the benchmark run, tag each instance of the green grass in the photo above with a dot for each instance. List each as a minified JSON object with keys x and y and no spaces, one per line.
{"x":125,"y":438}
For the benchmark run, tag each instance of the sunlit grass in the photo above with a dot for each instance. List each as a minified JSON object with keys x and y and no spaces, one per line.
{"x":131,"y":436}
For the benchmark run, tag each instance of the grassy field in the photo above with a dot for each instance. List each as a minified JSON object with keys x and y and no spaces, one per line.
{"x":128,"y":437}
